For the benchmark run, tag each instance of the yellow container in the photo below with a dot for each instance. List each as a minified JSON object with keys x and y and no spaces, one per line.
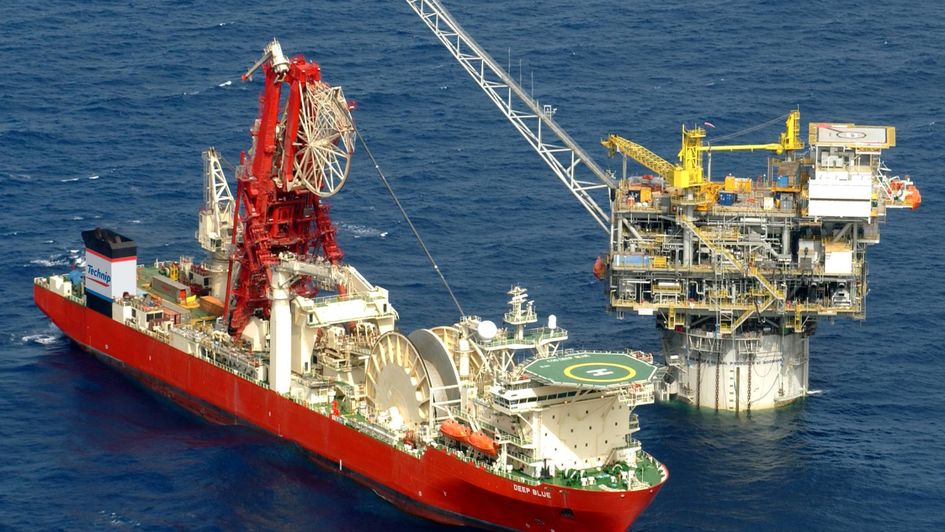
{"x":646,"y":194}
{"x":743,"y":185}
{"x":659,"y":262}
{"x":729,"y":183}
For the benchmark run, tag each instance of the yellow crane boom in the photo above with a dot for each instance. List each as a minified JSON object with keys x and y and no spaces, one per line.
{"x":616,"y":144}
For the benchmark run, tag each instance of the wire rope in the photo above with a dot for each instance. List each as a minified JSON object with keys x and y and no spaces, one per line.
{"x":413,"y":228}
{"x":749,"y":129}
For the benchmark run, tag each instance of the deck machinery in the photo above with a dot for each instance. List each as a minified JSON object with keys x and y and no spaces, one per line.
{"x":736,"y":270}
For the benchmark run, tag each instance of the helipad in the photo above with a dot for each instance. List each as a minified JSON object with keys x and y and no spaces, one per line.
{"x":589,"y":369}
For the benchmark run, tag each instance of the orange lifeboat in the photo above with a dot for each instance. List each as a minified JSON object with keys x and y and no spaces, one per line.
{"x":456,"y":430}
{"x":915,"y":199}
{"x":599,"y":268}
{"x":482,"y":443}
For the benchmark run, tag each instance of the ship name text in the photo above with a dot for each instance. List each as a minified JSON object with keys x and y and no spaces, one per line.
{"x":537,"y":493}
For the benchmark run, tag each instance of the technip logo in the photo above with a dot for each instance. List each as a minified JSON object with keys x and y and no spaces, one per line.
{"x":97,"y":275}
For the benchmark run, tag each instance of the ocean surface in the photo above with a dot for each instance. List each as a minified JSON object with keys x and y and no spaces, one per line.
{"x":105,"y":108}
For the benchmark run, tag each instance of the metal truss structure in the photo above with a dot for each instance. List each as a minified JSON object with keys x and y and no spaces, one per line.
{"x":296,"y":160}
{"x":570,"y":163}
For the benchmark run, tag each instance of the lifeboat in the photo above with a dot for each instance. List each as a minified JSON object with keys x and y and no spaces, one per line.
{"x":915,"y":199}
{"x":482,"y":443}
{"x":599,"y":268}
{"x":456,"y":430}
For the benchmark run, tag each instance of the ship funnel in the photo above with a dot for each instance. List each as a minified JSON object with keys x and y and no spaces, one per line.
{"x":110,"y":268}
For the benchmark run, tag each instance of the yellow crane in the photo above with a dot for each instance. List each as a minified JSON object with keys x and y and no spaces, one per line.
{"x":790,"y":139}
{"x":688,"y":172}
{"x":680,"y":176}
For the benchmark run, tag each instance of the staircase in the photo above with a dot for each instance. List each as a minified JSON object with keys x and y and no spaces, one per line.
{"x":736,"y":264}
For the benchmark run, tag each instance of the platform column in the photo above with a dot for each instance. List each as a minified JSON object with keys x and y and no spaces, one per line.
{"x":280,"y":334}
{"x":778,"y":365}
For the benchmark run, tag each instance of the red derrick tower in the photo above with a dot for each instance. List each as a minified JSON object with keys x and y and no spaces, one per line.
{"x":299,"y":156}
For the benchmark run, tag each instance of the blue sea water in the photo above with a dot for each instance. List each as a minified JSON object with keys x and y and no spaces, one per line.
{"x":105,"y":108}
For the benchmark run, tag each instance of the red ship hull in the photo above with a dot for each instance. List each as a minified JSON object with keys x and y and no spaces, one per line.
{"x":437,"y":485}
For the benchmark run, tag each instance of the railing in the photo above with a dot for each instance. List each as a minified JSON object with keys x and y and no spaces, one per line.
{"x":522,"y":457}
{"x":525,"y":316}
{"x":78,"y":291}
{"x":531,"y":336}
{"x":323,"y":301}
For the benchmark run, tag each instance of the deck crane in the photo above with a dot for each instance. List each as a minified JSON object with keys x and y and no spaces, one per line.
{"x":735,"y":273}
{"x":688,"y":173}
{"x":215,"y":221}
{"x":296,"y":161}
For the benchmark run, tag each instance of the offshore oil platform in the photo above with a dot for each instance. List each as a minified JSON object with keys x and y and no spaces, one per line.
{"x":736,"y":270}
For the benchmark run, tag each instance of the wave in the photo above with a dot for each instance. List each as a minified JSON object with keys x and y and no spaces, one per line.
{"x":116,"y":520}
{"x":195,"y":92}
{"x":362,"y":231}
{"x":51,"y":335}
{"x":50,"y":262}
{"x":19,"y":177}
{"x":74,"y":179}
{"x":41,"y":339}
{"x":60,"y":259}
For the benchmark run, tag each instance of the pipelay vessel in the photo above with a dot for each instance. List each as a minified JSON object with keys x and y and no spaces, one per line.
{"x":464,"y":424}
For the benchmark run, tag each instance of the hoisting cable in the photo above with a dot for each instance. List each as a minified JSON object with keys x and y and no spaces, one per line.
{"x":416,"y":234}
{"x":749,"y":129}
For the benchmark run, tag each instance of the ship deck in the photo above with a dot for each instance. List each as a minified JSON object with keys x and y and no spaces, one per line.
{"x":146,"y":273}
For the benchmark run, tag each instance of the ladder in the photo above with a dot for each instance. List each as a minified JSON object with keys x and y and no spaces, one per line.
{"x":565,"y":157}
{"x":751,"y":311}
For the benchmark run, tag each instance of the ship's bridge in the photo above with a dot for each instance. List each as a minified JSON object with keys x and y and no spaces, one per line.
{"x":590,"y":369}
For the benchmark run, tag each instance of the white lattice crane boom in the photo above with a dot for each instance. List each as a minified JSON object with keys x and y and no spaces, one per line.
{"x":567,"y":159}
